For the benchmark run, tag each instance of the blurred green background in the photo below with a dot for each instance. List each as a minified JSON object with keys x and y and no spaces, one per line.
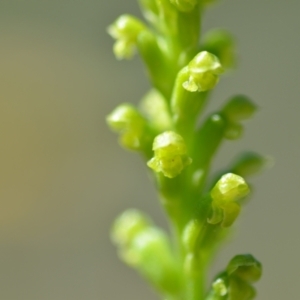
{"x":64,"y":178}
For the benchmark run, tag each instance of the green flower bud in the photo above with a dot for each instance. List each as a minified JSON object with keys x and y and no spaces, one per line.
{"x":151,"y":50}
{"x":220,"y":43}
{"x":125,"y":30}
{"x":243,"y":270}
{"x":190,"y":235}
{"x":233,"y":131}
{"x":227,"y":190}
{"x":208,"y":138}
{"x":155,"y":108}
{"x":235,"y":282}
{"x":184,"y":5}
{"x":126,"y":120}
{"x":249,"y":163}
{"x":204,"y":69}
{"x":239,"y":108}
{"x":169,"y":154}
{"x":245,"y":267}
{"x":128,"y":225}
{"x":151,"y":254}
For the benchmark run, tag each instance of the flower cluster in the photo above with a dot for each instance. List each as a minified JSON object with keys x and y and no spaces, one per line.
{"x":179,"y":147}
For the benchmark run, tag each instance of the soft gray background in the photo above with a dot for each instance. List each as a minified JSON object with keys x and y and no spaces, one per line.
{"x":64,"y":178}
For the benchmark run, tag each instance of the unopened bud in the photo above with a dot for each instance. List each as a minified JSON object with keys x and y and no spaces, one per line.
{"x":169,"y":154}
{"x":204,"y":72}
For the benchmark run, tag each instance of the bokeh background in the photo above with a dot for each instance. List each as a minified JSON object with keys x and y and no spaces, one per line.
{"x":64,"y":178}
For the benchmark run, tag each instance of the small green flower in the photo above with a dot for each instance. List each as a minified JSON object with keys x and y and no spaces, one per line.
{"x":169,"y":154}
{"x":225,"y":193}
{"x":204,"y":70}
{"x":125,"y":30}
{"x":126,"y":120}
{"x":150,"y":252}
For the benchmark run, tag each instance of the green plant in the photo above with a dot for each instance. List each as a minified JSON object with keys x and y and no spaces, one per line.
{"x":183,"y":69}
